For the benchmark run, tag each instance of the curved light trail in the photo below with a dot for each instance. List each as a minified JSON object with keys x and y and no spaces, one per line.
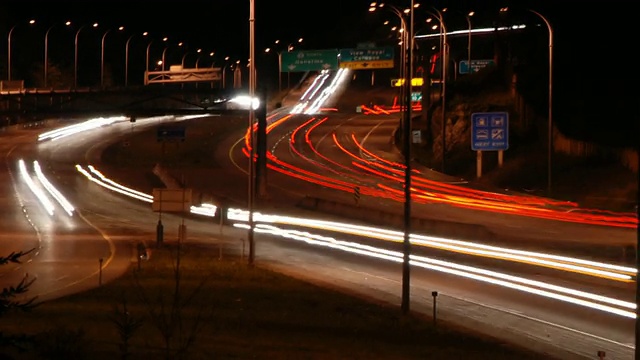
{"x":425,"y":190}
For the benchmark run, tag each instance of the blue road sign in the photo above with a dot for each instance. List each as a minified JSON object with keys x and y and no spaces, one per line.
{"x":476,"y":65}
{"x":490,"y":131}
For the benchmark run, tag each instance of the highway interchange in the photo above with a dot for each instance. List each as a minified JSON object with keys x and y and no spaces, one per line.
{"x":543,"y":274}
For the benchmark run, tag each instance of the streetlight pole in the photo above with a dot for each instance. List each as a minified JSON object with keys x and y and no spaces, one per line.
{"x":211,"y":54}
{"x":407,"y":64}
{"x":289,"y":49}
{"x":184,"y":56}
{"x":164,"y":53}
{"x":252,"y":89}
{"x":126,"y":58}
{"x":444,"y":50}
{"x":75,"y":61}
{"x":31,"y":22}
{"x":550,"y":100}
{"x":102,"y":55}
{"x":148,"y":50}
{"x":279,"y":71}
{"x":468,"y":17}
{"x":147,"y":58}
{"x":406,"y":266}
{"x":403,"y":46}
{"x":197,"y":58}
{"x":46,"y":51}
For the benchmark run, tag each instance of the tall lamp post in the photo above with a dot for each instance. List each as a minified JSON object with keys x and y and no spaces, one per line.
{"x":550,"y":100}
{"x":252,"y":90}
{"x":126,"y":58}
{"x":224,"y":72}
{"x":406,"y":267}
{"x":211,"y":54}
{"x":31,"y":22}
{"x":184,"y":56}
{"x":121,"y":28}
{"x":46,"y":52}
{"x":279,"y":53}
{"x":289,"y":49}
{"x":468,"y":18}
{"x":279,"y":71}
{"x":404,"y":33}
{"x":444,"y":51}
{"x":164,"y":52}
{"x":148,"y":51}
{"x":75,"y":60}
{"x":407,"y":62}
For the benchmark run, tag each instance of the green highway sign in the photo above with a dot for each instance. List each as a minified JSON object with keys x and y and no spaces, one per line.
{"x":309,"y":60}
{"x":367,"y":58}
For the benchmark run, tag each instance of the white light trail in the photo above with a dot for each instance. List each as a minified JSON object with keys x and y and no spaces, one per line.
{"x":37,"y":191}
{"x":55,"y":193}
{"x":587,"y":267}
{"x":473,"y":31}
{"x":561,"y":293}
{"x":513,"y":282}
{"x":77,"y":128}
{"x":103,"y":178}
{"x":119,"y":189}
{"x":337,"y":81}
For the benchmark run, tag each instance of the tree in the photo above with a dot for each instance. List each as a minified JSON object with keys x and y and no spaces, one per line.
{"x":9,"y":300}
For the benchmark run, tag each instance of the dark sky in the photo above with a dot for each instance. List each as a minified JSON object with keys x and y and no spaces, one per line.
{"x":222,"y":25}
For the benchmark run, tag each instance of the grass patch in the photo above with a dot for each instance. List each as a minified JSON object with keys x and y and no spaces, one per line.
{"x":226,"y":309}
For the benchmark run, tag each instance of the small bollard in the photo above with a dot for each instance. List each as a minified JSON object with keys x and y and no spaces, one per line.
{"x":601,"y":354}
{"x":100,"y":272}
{"x":435,"y":295}
{"x":159,"y":233}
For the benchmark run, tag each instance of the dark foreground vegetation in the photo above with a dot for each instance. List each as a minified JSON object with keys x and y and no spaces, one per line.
{"x":191,"y":305}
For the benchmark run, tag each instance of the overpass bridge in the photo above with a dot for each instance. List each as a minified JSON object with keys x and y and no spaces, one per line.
{"x":177,"y":91}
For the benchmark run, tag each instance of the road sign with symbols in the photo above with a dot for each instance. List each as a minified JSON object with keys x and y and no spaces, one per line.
{"x":368,"y":58}
{"x":489,"y":131}
{"x":309,"y":60}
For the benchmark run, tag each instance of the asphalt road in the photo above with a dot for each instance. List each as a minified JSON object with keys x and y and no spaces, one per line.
{"x":108,"y":226}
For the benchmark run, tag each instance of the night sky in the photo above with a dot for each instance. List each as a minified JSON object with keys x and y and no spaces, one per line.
{"x":594,"y":50}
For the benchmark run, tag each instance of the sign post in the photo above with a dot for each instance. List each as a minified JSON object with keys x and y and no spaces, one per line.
{"x":489,"y":132}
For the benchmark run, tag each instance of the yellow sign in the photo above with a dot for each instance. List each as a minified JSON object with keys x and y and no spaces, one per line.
{"x":363,"y":65}
{"x":400,"y":82}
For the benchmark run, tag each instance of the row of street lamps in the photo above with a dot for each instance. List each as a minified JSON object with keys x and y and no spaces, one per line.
{"x":102,"y":53}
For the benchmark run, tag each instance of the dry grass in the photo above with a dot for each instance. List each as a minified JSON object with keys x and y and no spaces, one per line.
{"x":235,"y":311}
